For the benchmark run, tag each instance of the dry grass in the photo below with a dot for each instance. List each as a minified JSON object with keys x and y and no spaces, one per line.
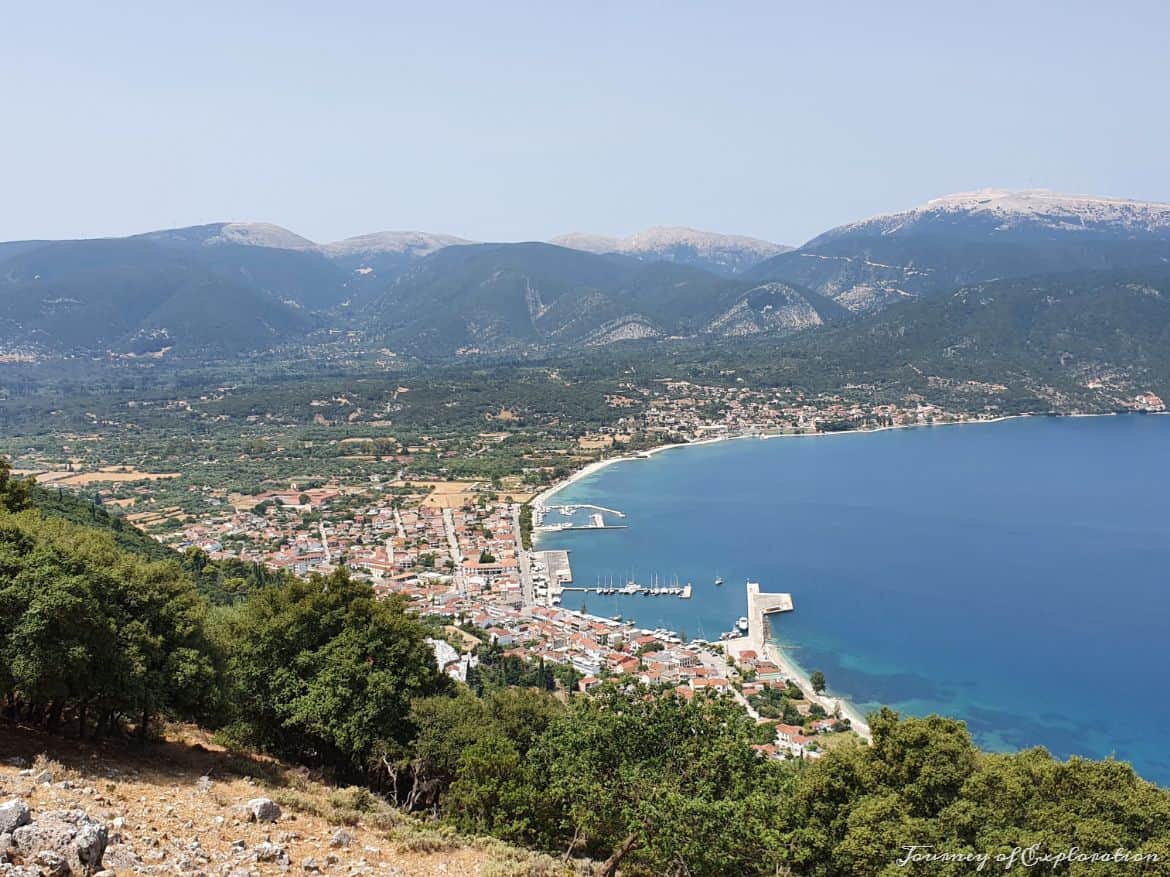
{"x":158,"y":789}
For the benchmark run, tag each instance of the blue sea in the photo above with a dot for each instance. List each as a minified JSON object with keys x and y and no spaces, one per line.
{"x":1015,"y":575}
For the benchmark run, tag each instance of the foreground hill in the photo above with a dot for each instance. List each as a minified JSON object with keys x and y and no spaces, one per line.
{"x":179,"y":806}
{"x":970,"y":238}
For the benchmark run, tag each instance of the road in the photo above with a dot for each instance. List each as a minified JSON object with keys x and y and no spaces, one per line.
{"x":457,"y":584}
{"x":527,"y":590}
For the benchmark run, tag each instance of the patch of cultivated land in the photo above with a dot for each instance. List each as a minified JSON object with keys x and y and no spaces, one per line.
{"x":179,"y":806}
{"x":108,"y":475}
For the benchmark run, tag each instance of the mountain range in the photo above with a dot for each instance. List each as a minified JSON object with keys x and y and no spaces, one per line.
{"x":232,"y":287}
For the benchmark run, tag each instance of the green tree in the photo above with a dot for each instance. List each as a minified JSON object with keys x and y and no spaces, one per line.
{"x":325,"y":671}
{"x":817,"y":679}
{"x":91,"y":629}
{"x":15,"y":493}
{"x":656,"y":784}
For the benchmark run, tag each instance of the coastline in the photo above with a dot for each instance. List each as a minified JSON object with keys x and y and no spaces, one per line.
{"x":773,"y":650}
{"x":775,"y":653}
{"x":597,"y":465}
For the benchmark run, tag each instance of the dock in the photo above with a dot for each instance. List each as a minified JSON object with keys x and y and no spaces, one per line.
{"x":556,"y":565}
{"x":596,"y":522}
{"x":760,"y":606}
{"x":633,"y":589}
{"x":575,"y":507}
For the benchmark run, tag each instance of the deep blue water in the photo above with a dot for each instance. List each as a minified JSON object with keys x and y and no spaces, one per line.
{"x":1015,"y":575}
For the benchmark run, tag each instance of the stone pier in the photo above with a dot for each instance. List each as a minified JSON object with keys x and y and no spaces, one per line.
{"x":759,"y":607}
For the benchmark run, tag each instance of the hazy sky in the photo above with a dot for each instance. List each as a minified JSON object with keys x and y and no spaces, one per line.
{"x":503,"y":120}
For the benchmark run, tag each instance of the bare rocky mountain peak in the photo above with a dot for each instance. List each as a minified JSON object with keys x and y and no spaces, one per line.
{"x":1004,"y":212}
{"x":259,"y":234}
{"x":724,"y":253}
{"x":417,"y":243}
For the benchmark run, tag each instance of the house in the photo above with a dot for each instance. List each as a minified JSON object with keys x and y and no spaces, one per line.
{"x":500,"y":635}
{"x":768,"y":672}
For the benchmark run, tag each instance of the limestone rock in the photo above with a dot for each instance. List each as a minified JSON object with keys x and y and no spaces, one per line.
{"x":270,"y":852}
{"x":262,"y":810}
{"x":51,"y":863}
{"x":7,"y":870}
{"x":80,"y":840}
{"x":13,"y":814}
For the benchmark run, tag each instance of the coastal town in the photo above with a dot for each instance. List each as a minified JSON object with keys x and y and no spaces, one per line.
{"x":466,"y":551}
{"x":456,"y":552}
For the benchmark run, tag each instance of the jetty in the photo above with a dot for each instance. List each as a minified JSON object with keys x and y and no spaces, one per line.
{"x":760,"y":606}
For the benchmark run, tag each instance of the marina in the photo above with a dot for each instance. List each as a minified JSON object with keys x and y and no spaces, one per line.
{"x":595,"y":521}
{"x":633,"y":589}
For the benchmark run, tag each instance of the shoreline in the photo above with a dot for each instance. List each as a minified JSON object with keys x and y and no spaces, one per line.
{"x":773,"y":651}
{"x":597,"y":465}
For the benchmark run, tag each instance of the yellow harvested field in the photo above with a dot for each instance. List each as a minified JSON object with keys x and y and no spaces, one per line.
{"x":107,"y":475}
{"x":444,"y":494}
{"x":154,"y":517}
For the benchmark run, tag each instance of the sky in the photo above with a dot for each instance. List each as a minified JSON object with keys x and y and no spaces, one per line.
{"x":519,"y":121}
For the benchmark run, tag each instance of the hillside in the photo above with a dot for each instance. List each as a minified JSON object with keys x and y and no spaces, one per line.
{"x":1102,"y":335}
{"x":971,"y":238}
{"x":499,"y":296}
{"x":133,"y":296}
{"x":179,"y":805}
{"x":222,"y":288}
{"x":77,"y":509}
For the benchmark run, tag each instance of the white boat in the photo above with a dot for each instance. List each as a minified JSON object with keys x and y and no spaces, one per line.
{"x":718,"y":580}
{"x":742,"y":624}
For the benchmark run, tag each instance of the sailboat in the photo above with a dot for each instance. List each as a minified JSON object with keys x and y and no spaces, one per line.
{"x":718,"y":580}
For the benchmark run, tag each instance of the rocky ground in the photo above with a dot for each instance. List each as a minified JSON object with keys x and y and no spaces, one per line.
{"x":186,"y":807}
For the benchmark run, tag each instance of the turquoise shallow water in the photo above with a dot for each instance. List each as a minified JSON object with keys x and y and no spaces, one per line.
{"x":1015,"y":575}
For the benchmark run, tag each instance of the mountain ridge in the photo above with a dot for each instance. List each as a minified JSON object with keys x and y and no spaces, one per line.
{"x":234,"y":286}
{"x":721,"y":253}
{"x":972,"y":237}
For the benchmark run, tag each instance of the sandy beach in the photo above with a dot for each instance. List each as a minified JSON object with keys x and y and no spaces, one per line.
{"x":792,"y":670}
